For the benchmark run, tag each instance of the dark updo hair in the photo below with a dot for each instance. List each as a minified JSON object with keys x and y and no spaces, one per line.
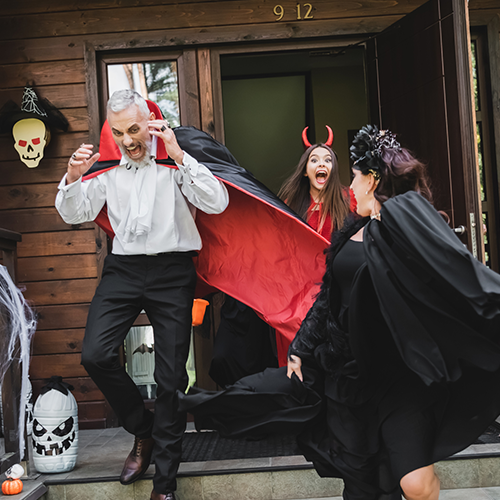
{"x":401,"y":172}
{"x":398,"y":171}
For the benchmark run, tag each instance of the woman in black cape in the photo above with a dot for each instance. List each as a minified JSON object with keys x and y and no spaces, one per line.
{"x":395,"y":365}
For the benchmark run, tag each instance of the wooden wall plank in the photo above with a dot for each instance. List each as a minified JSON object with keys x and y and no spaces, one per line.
{"x":78,"y":119}
{"x":54,"y":49}
{"x":48,"y":170}
{"x":28,"y":196}
{"x":41,"y":50}
{"x":43,"y":293}
{"x":222,"y":13}
{"x":62,"y":243}
{"x":57,"y":268}
{"x":58,"y":341}
{"x":84,"y":389}
{"x":482,"y":17}
{"x":44,"y":73}
{"x":62,"y":317}
{"x":483,"y":4}
{"x":61,"y":96}
{"x":93,"y":410}
{"x":42,"y":6}
{"x":31,"y":220}
{"x":64,"y":365}
{"x":70,"y":316}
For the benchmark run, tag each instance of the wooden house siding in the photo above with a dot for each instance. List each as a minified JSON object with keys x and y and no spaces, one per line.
{"x":43,"y":43}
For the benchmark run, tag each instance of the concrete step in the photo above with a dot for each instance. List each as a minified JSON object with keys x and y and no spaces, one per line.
{"x":460,"y":480}
{"x":476,"y":470}
{"x":463,"y":494}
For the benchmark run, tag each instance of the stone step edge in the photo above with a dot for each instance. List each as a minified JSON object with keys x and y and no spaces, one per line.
{"x":467,"y":454}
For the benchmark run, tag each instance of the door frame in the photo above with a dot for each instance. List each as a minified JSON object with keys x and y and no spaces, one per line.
{"x":215,"y":71}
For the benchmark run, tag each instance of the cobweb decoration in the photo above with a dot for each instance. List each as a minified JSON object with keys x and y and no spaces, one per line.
{"x":17,"y":326}
{"x":29,"y":103}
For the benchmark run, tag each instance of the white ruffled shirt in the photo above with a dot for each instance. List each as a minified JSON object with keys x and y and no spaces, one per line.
{"x":151,"y":209}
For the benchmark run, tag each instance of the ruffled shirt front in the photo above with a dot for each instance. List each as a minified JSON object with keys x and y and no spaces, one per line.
{"x":151,"y":209}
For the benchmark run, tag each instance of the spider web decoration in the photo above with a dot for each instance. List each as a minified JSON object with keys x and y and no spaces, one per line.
{"x":29,"y":103}
{"x":17,"y":326}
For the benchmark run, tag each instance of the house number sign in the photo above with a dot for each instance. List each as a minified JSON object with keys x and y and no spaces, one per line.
{"x":303,"y":11}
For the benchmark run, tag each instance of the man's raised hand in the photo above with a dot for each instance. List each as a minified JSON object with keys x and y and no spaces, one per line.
{"x":81,"y":160}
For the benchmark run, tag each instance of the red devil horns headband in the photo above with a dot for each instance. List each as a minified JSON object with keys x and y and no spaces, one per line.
{"x":328,"y":142}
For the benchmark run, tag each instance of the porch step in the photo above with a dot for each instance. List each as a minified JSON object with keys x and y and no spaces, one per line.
{"x":468,"y":477}
{"x":102,"y":453}
{"x":142,"y":491}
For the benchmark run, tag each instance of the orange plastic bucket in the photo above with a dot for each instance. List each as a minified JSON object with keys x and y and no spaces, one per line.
{"x":199,"y":306}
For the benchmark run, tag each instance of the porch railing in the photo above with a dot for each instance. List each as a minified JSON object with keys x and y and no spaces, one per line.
{"x":11,"y":384}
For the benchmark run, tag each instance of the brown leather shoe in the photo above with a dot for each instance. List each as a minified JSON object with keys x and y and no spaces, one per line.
{"x":138,"y":461}
{"x":170,"y":495}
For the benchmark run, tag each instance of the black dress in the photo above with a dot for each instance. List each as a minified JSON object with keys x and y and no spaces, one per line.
{"x":242,"y":345}
{"x":412,"y":381}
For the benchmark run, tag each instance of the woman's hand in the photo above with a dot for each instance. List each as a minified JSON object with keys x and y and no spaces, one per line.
{"x":294,"y":366}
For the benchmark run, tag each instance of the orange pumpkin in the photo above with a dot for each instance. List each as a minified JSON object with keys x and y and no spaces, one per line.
{"x":12,"y":487}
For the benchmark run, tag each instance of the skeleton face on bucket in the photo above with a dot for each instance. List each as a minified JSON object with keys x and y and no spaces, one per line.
{"x":52,"y":437}
{"x":31,"y":136}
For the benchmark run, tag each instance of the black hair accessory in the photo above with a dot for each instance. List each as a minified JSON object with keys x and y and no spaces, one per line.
{"x":56,"y":382}
{"x":367,"y":146}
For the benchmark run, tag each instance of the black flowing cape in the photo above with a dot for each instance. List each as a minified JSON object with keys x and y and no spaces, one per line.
{"x":258,"y":250}
{"x":423,"y":311}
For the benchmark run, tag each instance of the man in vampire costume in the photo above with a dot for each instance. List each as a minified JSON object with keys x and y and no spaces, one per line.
{"x":151,"y":210}
{"x":142,"y":189}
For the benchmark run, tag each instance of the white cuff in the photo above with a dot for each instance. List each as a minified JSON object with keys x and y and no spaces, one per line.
{"x":69,"y":190}
{"x":189,"y":166}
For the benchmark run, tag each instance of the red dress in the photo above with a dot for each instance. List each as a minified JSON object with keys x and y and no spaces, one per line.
{"x":313,"y":215}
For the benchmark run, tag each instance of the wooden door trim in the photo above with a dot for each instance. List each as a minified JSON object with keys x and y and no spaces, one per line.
{"x":468,"y":127}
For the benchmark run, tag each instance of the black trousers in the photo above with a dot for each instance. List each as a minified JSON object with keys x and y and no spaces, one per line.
{"x":163,"y":286}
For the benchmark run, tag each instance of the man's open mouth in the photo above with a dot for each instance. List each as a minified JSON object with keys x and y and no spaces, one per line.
{"x":134,"y":151}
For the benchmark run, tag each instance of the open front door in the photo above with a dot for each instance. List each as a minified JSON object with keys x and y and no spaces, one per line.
{"x":420,"y":87}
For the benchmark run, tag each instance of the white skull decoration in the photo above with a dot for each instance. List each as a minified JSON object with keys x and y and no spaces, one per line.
{"x":31,"y":136}
{"x":55,"y":432}
{"x":30,"y":125}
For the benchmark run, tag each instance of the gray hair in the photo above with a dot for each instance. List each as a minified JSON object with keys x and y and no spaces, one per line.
{"x":123,"y":99}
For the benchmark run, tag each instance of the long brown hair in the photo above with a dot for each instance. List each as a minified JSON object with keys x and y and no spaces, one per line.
{"x":334,"y":202}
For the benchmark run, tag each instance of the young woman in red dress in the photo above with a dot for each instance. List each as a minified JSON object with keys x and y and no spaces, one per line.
{"x":314,"y":190}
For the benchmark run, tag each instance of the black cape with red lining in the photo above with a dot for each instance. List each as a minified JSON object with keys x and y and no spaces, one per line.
{"x":258,"y":250}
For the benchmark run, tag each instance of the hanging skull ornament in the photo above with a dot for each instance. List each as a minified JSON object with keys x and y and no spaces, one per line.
{"x":30,"y":125}
{"x":31,"y":137}
{"x":55,"y":428}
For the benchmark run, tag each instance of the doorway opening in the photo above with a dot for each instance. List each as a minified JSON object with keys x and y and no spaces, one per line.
{"x":268,"y":99}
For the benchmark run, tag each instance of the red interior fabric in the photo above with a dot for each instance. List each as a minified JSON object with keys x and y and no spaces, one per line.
{"x":264,"y":258}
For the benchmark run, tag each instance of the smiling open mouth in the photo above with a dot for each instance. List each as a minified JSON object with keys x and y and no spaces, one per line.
{"x":321,"y":176}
